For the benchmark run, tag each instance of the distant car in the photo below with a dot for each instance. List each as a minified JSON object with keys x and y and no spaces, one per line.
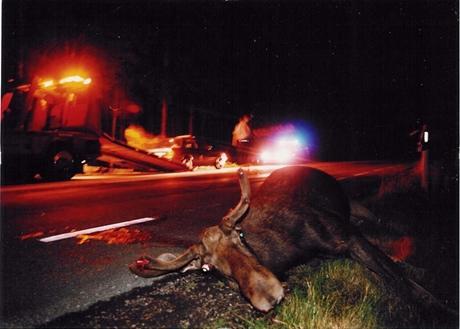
{"x":191,"y":152}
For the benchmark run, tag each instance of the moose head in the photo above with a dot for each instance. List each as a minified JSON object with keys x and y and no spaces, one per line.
{"x":222,"y":248}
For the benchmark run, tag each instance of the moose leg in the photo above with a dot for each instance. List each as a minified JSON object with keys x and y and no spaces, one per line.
{"x":331,"y":234}
{"x":374,"y":259}
{"x":335,"y":239}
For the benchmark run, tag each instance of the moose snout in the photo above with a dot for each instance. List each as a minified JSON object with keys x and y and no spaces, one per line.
{"x":266,"y":294}
{"x":260,"y":286}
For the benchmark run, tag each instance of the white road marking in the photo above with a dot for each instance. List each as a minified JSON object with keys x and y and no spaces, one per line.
{"x":363,"y":173}
{"x":97,"y":229}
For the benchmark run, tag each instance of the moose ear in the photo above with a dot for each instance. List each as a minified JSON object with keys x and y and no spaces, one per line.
{"x":167,"y":257}
{"x":151,"y":267}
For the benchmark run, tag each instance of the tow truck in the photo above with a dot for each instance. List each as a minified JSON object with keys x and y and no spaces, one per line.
{"x":49,"y":128}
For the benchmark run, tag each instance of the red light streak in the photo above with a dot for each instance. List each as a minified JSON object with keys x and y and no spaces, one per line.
{"x":402,"y":249}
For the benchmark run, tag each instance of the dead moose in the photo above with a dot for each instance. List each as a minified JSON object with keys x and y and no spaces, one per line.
{"x":298,"y":213}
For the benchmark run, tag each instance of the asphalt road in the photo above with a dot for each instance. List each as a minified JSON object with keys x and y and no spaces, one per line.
{"x":43,"y":280}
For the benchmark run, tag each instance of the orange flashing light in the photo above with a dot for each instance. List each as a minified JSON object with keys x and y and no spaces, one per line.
{"x":47,"y":84}
{"x":67,"y":80}
{"x":75,"y":78}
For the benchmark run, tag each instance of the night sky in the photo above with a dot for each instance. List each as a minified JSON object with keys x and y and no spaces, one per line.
{"x":356,"y":74}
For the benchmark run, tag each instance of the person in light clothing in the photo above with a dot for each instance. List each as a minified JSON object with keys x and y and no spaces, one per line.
{"x":241,"y":138}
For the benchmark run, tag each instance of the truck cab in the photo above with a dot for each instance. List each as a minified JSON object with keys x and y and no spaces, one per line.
{"x":50,"y":128}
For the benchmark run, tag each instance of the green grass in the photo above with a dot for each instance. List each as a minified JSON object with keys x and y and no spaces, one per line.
{"x":337,"y":294}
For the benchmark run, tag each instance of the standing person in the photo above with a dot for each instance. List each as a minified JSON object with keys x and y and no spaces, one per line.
{"x":241,"y":137}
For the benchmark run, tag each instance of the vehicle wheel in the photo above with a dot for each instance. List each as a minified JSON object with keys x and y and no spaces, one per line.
{"x":219,"y":163}
{"x":61,"y":166}
{"x":188,"y":162}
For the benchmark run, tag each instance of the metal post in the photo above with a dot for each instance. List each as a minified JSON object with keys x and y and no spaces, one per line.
{"x":425,"y":171}
{"x":114,"y":121}
{"x":424,"y":159}
{"x":190,"y":122}
{"x":164,"y":117}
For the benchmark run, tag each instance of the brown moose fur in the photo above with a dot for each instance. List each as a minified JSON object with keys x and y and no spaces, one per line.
{"x":298,"y":213}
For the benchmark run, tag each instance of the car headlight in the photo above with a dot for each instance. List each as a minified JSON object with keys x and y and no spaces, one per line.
{"x":265,"y":156}
{"x":283,"y":150}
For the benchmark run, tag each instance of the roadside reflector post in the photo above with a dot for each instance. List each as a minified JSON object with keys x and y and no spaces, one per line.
{"x":424,"y":165}
{"x":425,"y":171}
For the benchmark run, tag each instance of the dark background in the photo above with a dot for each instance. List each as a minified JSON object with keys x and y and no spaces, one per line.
{"x":355,"y":75}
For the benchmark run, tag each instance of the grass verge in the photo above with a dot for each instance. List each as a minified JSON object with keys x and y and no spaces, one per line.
{"x":338,"y":294}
